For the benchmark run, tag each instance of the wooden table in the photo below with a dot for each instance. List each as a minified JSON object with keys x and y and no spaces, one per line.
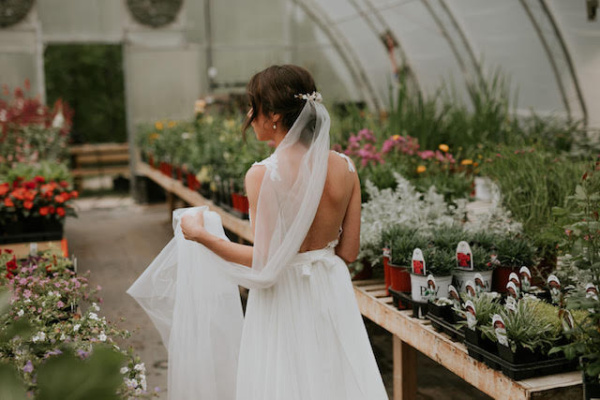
{"x":174,"y":188}
{"x":22,"y":250}
{"x":411,"y":334}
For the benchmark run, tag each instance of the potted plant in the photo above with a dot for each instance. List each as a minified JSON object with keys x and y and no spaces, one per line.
{"x":439,"y":262}
{"x":484,"y":307}
{"x":401,"y":241}
{"x":512,"y":252}
{"x":482,"y":267}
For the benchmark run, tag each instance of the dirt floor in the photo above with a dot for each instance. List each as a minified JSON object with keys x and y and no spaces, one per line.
{"x":116,"y":239}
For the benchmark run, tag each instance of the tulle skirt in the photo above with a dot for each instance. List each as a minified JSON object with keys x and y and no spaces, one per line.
{"x":304,"y":337}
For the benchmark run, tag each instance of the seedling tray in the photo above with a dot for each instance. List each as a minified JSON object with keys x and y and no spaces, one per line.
{"x":519,"y":372}
{"x":403,"y":300}
{"x":444,"y":326}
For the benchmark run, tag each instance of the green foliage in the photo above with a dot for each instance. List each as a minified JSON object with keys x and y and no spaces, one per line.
{"x":514,"y":251}
{"x":486,"y":305}
{"x":439,"y":261}
{"x":50,"y":171}
{"x":90,"y":78}
{"x":402,"y":241}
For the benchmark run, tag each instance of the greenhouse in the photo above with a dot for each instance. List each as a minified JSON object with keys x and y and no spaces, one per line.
{"x":414,"y":184}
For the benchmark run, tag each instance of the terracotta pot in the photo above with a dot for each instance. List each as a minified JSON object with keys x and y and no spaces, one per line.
{"x":400,"y":278}
{"x":244,"y":205}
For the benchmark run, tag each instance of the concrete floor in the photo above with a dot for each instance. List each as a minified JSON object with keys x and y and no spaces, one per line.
{"x":116,"y":239}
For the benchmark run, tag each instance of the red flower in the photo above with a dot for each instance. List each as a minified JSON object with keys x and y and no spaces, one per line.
{"x":8,"y":251}
{"x":39,"y":179}
{"x":18,"y":193}
{"x":60,"y":198}
{"x":28,"y":204}
{"x":44,"y":211}
{"x":12,"y":265}
{"x":30,"y":195}
{"x":4,"y":188}
{"x":8,"y":202}
{"x":30,"y":185}
{"x":51,"y":209}
{"x":60,"y":211}
{"x":74,"y":194}
{"x":64,"y":184}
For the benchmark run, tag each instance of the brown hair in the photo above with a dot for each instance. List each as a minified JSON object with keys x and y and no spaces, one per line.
{"x":273,"y":90}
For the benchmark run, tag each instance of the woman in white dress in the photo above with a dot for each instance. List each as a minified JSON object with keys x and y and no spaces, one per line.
{"x":303,"y":336}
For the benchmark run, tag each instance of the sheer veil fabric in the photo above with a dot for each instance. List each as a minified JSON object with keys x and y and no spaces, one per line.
{"x":192,"y":296}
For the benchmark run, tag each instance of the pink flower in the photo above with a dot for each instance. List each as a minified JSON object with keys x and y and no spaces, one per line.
{"x":27,"y":293}
{"x":60,"y":304}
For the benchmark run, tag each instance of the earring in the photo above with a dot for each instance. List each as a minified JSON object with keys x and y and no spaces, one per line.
{"x":274,"y":127}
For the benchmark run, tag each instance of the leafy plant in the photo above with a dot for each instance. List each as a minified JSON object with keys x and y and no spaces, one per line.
{"x":439,"y":261}
{"x":402,"y":241}
{"x":486,"y":305}
{"x":514,"y":251}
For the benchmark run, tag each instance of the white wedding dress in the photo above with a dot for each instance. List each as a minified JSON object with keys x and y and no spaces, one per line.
{"x":302,"y":337}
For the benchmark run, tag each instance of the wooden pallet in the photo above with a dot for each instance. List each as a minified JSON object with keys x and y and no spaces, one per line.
{"x":412,"y":334}
{"x":104,"y":159}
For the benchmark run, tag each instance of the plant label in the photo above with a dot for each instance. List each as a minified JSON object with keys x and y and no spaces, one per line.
{"x":591,"y":291}
{"x":454,"y":296}
{"x":33,"y":249}
{"x":479,"y":283}
{"x":430,"y":293}
{"x":525,"y":275}
{"x":464,"y":256}
{"x":387,"y":252}
{"x":513,"y":290}
{"x":566,"y":318}
{"x":418,"y":262}
{"x":470,"y":288}
{"x":471,"y":314}
{"x":500,"y":330}
{"x":555,"y":289}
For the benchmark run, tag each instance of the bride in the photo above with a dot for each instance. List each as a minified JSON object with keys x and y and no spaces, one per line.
{"x":302,"y":337}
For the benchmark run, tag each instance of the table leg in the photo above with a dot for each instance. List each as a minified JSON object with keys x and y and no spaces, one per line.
{"x":170,"y":202}
{"x":405,"y":371}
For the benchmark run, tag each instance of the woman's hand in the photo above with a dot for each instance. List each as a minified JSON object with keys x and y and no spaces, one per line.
{"x":192,"y":227}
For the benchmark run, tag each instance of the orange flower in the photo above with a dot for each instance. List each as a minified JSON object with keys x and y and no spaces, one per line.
{"x":60,"y":198}
{"x":444,"y":148}
{"x":44,"y":211}
{"x":60,"y":211}
{"x":4,"y":188}
{"x":30,"y":195}
{"x":466,"y":162}
{"x":421,"y":169}
{"x":28,"y":204}
{"x":74,"y":194}
{"x":8,"y":202}
{"x":18,"y":193}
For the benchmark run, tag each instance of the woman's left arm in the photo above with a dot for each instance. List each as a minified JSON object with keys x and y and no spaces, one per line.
{"x":192,"y":226}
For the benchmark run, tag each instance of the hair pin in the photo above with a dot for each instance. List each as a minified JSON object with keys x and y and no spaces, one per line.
{"x":314,"y":96}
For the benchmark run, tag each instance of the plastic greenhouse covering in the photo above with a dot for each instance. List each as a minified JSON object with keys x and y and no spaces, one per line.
{"x":548,"y":49}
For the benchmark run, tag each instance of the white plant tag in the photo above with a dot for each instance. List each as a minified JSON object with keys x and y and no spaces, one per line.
{"x":418,"y":262}
{"x":454,"y":296}
{"x":479,"y":283}
{"x":430,"y":293}
{"x":464,"y":256}
{"x":471,"y":314}
{"x":525,"y":275}
{"x":555,"y":287}
{"x":33,"y":249}
{"x":513,"y":290}
{"x":500,"y":330}
{"x":387,"y":252}
{"x":591,"y":291}
{"x":470,"y":288}
{"x":568,"y":323}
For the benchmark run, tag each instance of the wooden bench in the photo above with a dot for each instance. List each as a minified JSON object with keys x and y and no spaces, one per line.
{"x":104,"y":159}
{"x":412,"y":334}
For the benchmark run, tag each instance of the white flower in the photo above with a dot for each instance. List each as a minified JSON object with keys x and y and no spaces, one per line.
{"x":141,"y":367}
{"x":39,"y":337}
{"x":95,"y":307}
{"x":63,"y":337}
{"x":58,"y":120}
{"x":20,"y":313}
{"x":93,"y":316}
{"x":27,"y":301}
{"x":76,"y":327}
{"x":131,"y":383}
{"x":138,"y":391}
{"x":102,"y":337}
{"x":186,"y":135}
{"x":143,"y":382}
{"x":124,"y":370}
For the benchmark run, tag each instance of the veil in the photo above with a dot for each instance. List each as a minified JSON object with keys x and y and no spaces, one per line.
{"x":192,"y":295}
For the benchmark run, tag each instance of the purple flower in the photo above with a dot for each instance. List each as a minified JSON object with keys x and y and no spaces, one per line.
{"x":27,"y":293}
{"x":28,"y":367}
{"x":60,"y":304}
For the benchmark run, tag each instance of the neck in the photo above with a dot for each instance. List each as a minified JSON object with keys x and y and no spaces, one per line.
{"x":278,"y":138}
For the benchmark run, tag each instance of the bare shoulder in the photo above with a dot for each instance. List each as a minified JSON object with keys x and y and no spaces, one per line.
{"x":254,"y":176}
{"x":341,"y":162}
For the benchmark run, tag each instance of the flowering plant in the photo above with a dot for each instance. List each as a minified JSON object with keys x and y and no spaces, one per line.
{"x":46,"y":294}
{"x":30,"y":131}
{"x":23,"y":199}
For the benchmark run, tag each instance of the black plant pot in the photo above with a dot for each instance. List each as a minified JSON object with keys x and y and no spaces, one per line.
{"x":473,"y":336}
{"x":591,"y":387}
{"x":520,"y":356}
{"x":444,"y":312}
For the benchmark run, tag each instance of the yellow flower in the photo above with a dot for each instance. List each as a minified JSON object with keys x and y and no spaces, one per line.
{"x":421,"y":169}
{"x":159,"y":125}
{"x":396,"y":137}
{"x":209,"y":120}
{"x":171,"y":124}
{"x":444,"y":148}
{"x":154,"y":136}
{"x":466,"y":162}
